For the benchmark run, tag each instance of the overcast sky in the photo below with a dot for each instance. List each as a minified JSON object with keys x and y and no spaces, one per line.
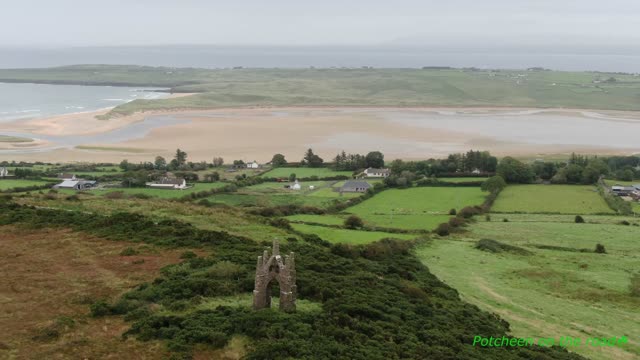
{"x":327,"y":22}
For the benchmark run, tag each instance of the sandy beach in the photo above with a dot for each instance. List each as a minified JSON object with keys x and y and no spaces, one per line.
{"x":258,"y":133}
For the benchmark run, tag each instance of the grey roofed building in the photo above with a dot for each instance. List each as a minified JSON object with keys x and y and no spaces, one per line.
{"x":355,"y":186}
{"x":372,"y":172}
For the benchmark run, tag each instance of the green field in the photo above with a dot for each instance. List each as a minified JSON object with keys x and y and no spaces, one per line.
{"x":161,"y":193}
{"x":612,"y":182}
{"x":349,"y":87}
{"x":550,"y":293}
{"x":562,"y":199}
{"x":318,"y":219}
{"x":275,"y":194}
{"x":353,"y":237}
{"x":305,"y":172}
{"x":415,"y":208}
{"x":10,"y":184}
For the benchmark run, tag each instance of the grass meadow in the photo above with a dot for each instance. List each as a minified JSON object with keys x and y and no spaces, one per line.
{"x":354,"y":237}
{"x":415,"y":208}
{"x":285,"y":172}
{"x":6,"y":184}
{"x":562,"y":199}
{"x":552,"y":292}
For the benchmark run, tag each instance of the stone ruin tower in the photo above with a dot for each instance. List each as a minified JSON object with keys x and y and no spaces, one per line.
{"x":282,"y":270}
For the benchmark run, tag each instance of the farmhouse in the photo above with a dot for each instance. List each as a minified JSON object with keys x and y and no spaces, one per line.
{"x":4,"y":172}
{"x":355,"y":186}
{"x":169,"y":183}
{"x":253,"y":165}
{"x":371,"y":172}
{"x":622,"y":190}
{"x":76,"y":184}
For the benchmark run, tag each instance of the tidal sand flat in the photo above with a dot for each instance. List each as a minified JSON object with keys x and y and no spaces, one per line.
{"x":258,"y":133}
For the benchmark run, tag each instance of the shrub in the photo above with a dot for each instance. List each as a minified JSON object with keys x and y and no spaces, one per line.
{"x":625,"y":222}
{"x":281,"y":223}
{"x":141,"y":196}
{"x":129,"y":252}
{"x":188,"y":255}
{"x":487,"y":217}
{"x":455,"y":222}
{"x":600,"y":249}
{"x":505,"y":220}
{"x":353,"y":222}
{"x":498,"y":247}
{"x":579,"y":219}
{"x":452,"y":212}
{"x":114,"y":195}
{"x":225,"y":270}
{"x":443,"y":229}
{"x":469,"y":211}
{"x":100,"y":308}
{"x":73,"y":197}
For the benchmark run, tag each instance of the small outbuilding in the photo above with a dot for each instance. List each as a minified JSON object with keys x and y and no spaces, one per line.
{"x":4,"y":172}
{"x":355,"y":186}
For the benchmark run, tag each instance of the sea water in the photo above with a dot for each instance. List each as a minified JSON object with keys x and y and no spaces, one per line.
{"x":26,"y":101}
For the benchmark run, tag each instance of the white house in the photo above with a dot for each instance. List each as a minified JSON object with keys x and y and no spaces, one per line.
{"x":253,"y":165}
{"x":295,"y":186}
{"x":168,"y":183}
{"x":4,"y":172}
{"x":371,"y":172}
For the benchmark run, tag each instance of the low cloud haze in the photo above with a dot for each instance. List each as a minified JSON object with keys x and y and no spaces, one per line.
{"x":456,"y":23}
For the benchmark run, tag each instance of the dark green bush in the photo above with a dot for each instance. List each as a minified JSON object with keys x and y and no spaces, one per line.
{"x":600,"y":249}
{"x":579,"y":219}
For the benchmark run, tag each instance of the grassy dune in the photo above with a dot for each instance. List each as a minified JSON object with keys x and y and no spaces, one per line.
{"x":350,"y":87}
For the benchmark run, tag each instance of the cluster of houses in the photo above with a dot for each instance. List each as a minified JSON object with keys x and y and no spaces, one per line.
{"x":632,"y":191}
{"x":350,"y":186}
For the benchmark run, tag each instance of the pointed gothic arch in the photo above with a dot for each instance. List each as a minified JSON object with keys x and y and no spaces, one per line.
{"x":275,"y":268}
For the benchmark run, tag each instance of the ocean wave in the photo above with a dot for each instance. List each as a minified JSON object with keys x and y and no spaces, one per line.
{"x":112,"y":99}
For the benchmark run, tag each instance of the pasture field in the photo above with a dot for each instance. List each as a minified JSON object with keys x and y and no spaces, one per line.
{"x":274,"y":194}
{"x":6,"y":184}
{"x":318,"y":219}
{"x":284,"y":172}
{"x":354,"y":237}
{"x":415,"y":208}
{"x":562,"y":199}
{"x":551,"y":292}
{"x":159,"y":193}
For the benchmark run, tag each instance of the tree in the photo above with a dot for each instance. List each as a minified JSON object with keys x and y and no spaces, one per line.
{"x":124,"y":165}
{"x":292,"y":177}
{"x":278,"y":160}
{"x":180,"y":157}
{"x":494,"y":184}
{"x":374,"y":159}
{"x":353,"y":222}
{"x":311,"y":159}
{"x":574,"y":173}
{"x":218,"y":161}
{"x":160,"y":163}
{"x":515,"y":171}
